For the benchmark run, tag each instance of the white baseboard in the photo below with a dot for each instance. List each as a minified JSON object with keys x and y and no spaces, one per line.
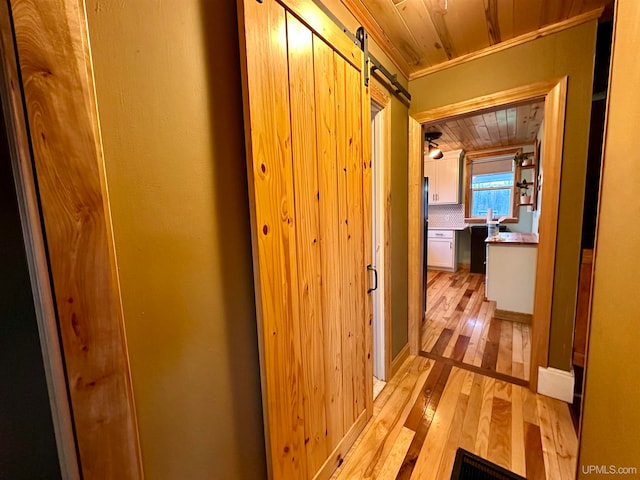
{"x":556,"y":383}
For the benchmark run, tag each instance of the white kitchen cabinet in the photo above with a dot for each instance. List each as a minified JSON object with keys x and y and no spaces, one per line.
{"x":441,"y":250}
{"x":444,"y":178}
{"x":511,"y":276}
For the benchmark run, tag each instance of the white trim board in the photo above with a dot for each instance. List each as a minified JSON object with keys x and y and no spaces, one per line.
{"x":556,"y":383}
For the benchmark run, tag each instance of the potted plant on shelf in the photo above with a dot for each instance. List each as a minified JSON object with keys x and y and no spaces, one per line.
{"x":522,"y":159}
{"x":524,"y":186}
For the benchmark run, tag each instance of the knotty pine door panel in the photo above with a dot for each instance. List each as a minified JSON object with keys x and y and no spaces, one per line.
{"x":310,"y":187}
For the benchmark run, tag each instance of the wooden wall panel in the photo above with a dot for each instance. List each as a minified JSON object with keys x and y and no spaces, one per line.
{"x":305,"y":180}
{"x":58,"y":88}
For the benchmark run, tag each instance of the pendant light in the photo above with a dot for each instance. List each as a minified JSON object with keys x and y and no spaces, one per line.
{"x":433,"y":149}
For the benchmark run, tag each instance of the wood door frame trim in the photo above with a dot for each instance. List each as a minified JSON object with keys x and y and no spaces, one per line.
{"x":74,"y":212}
{"x":380,"y":96}
{"x":35,"y":249}
{"x":555,"y":94}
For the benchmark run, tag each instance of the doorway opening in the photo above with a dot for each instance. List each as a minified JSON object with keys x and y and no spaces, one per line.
{"x":554,"y":95}
{"x":379,"y":371}
{"x":479,"y":292}
{"x":381,"y":234}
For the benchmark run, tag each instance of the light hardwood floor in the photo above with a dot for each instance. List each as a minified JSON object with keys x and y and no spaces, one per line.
{"x":459,"y":325}
{"x":431,"y":408}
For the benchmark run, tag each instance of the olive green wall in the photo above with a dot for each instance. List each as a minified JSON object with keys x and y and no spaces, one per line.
{"x":612,"y":394}
{"x":170,"y":107}
{"x":399,"y":192}
{"x":571,"y":53}
{"x":399,"y":225}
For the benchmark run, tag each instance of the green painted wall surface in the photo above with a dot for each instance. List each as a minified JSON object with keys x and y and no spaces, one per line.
{"x":571,"y":53}
{"x":170,"y":106}
{"x":612,"y":393}
{"x":399,"y":225}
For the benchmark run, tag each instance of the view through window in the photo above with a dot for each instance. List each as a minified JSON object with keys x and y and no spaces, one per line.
{"x":492,"y":186}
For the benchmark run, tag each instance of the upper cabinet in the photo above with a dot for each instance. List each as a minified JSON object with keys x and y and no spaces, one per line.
{"x":444,"y":178}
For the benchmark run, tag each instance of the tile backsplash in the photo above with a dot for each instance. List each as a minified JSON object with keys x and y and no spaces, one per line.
{"x":445,"y":216}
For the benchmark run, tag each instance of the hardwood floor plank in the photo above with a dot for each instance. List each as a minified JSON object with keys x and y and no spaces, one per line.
{"x":490,"y":356}
{"x":505,"y":354}
{"x":551,"y":464}
{"x":460,"y":348}
{"x":424,"y":425}
{"x":472,"y":416}
{"x":499,"y":451}
{"x":446,"y":465}
{"x":421,"y":403}
{"x":533,"y":449}
{"x":503,"y":390}
{"x":477,"y":332}
{"x":565,"y":439}
{"x":517,"y":352}
{"x":390,"y":388}
{"x":518,"y":455}
{"x":427,"y":463}
{"x":530,"y":410}
{"x":488,"y":315}
{"x":393,"y":462}
{"x":443,"y":340}
{"x":484,"y":423}
{"x":518,"y":370}
{"x":526,"y":348}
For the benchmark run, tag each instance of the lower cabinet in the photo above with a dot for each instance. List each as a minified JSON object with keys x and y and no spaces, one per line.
{"x":441,"y":250}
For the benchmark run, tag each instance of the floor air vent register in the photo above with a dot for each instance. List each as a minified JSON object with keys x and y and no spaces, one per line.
{"x":471,"y":467}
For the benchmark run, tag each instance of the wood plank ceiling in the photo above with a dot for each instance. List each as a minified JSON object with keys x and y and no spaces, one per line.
{"x":504,"y":127}
{"x":423,"y":35}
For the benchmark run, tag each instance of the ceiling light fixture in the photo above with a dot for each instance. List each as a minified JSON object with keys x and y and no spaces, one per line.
{"x":433,"y":149}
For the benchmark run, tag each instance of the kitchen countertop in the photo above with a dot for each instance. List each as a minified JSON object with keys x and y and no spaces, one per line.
{"x":514,"y":238}
{"x":457,"y":227}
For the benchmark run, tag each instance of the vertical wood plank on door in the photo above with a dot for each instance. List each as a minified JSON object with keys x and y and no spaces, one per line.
{"x":305,"y":180}
{"x":355,"y":239}
{"x":273,"y":204}
{"x":347,"y":307}
{"x":329,"y":238}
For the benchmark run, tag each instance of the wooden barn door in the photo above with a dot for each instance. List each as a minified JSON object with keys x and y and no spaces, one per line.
{"x":310,"y":188}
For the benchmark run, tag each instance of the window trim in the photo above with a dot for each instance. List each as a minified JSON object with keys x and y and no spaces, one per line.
{"x":491,"y":152}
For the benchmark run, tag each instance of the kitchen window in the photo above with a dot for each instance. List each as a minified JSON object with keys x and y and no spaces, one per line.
{"x":490,"y":181}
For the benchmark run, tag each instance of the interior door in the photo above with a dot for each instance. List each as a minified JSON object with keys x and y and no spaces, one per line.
{"x":306,"y":118}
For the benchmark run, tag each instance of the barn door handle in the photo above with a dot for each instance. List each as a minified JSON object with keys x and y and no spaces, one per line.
{"x":375,"y":278}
